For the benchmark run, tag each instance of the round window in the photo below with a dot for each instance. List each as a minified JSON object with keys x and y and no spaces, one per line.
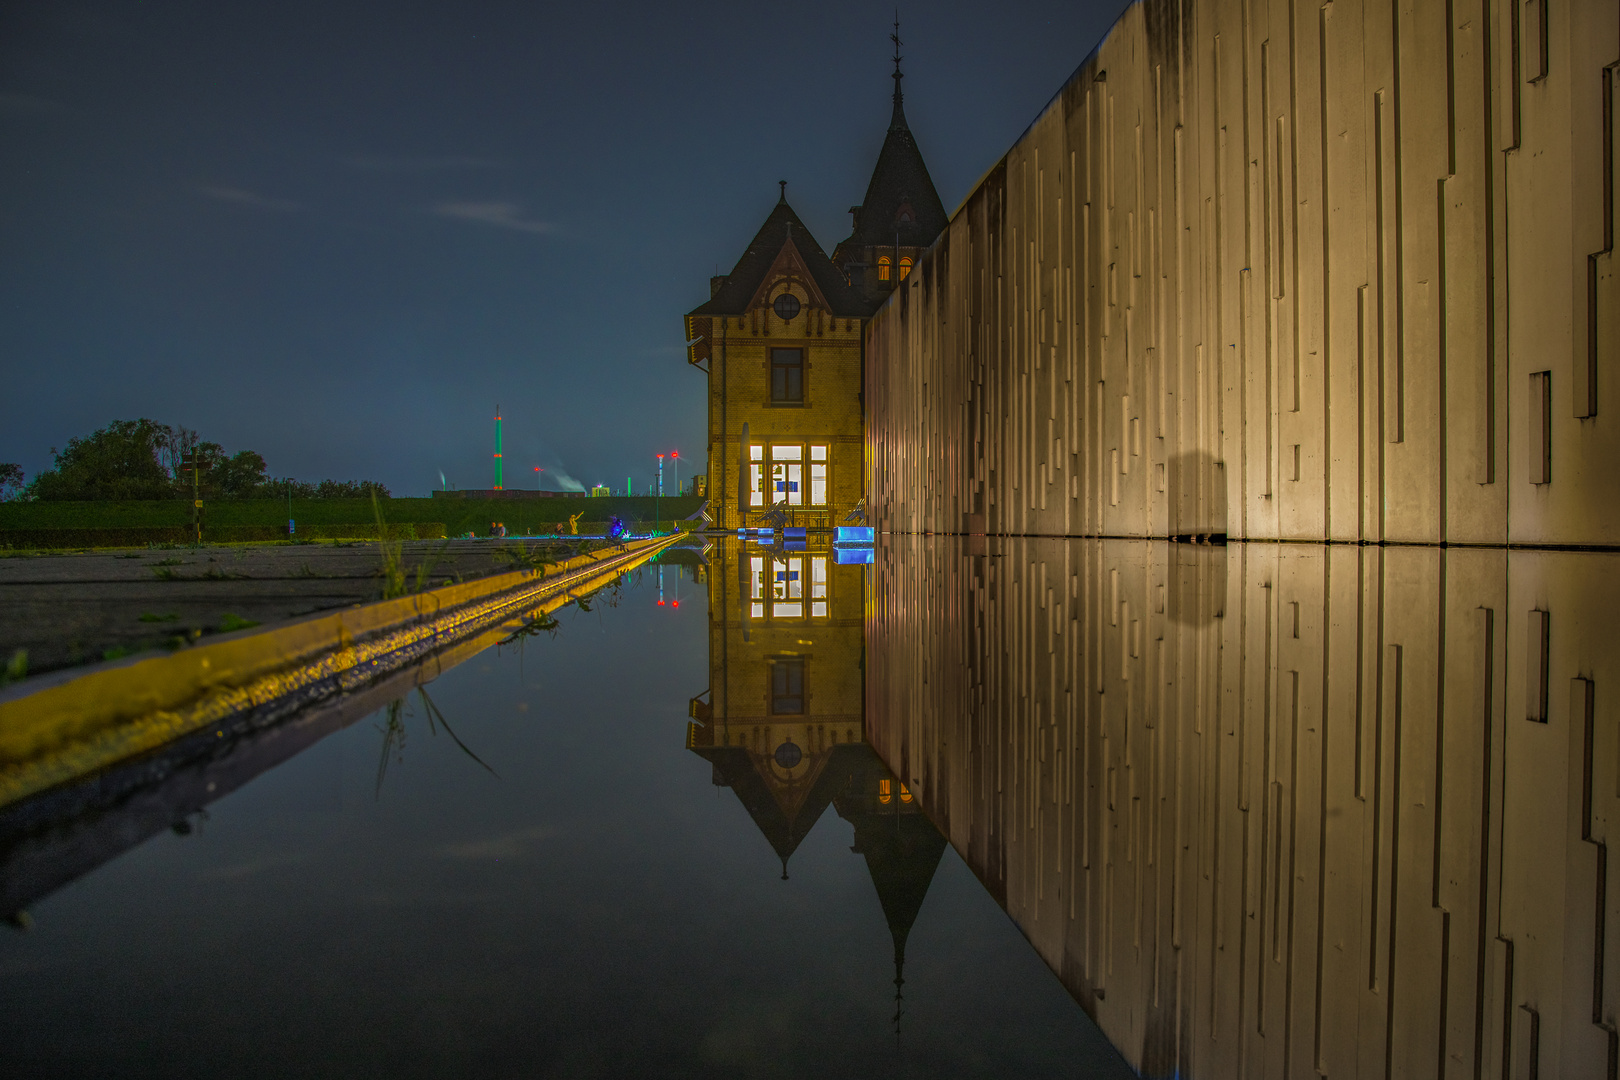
{"x":787,"y":306}
{"x":788,"y":755}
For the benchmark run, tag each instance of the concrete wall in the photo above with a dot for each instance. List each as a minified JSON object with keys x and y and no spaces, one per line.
{"x":1278,"y":810}
{"x":1279,"y":270}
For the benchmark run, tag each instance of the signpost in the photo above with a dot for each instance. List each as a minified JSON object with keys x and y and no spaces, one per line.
{"x":192,"y":460}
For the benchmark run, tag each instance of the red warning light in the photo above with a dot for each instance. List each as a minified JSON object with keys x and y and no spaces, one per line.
{"x":677,"y":603}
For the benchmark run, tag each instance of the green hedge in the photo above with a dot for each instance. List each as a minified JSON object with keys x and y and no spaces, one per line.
{"x":456,"y":516}
{"x":223,"y":534}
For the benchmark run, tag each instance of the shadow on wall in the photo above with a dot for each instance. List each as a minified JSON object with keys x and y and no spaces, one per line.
{"x":1196,"y":488}
{"x":1196,"y":585}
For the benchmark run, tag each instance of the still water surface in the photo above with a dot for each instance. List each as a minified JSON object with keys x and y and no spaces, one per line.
{"x":1264,"y":810}
{"x":607,"y":901}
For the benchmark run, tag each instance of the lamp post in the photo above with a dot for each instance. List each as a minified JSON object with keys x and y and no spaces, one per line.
{"x":537,"y":471}
{"x":658,"y":498}
{"x":675,"y":459}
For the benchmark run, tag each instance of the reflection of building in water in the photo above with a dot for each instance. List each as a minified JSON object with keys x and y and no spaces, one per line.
{"x":901,"y":847}
{"x":1279,"y":810}
{"x":781,"y":722}
{"x":785,"y":686}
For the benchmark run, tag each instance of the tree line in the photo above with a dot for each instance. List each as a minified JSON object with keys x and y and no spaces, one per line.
{"x":142,"y":459}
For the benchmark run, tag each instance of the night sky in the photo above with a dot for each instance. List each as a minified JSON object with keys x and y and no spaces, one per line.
{"x":340,"y":233}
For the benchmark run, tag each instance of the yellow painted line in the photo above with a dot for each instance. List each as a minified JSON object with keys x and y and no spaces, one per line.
{"x":67,"y":730}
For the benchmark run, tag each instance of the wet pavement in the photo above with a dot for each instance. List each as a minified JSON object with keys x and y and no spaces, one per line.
{"x":71,"y":609}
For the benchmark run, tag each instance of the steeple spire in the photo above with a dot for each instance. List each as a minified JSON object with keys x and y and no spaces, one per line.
{"x":899,"y":118}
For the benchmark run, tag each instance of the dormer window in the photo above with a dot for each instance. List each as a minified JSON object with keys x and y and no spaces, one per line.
{"x":905,"y":268}
{"x":904,"y":215}
{"x":786,"y":306}
{"x":883,"y":268}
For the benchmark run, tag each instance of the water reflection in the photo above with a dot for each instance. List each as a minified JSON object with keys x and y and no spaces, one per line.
{"x":1270,"y":809}
{"x":781,"y":722}
{"x":600,"y":910}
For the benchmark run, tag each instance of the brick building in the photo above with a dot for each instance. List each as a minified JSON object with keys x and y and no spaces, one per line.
{"x":782,"y":341}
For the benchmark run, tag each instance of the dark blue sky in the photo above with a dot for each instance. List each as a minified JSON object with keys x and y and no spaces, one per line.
{"x":339,"y":233}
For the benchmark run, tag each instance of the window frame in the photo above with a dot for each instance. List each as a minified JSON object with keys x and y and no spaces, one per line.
{"x":805,"y":585}
{"x":787,"y":369}
{"x":787,"y":665}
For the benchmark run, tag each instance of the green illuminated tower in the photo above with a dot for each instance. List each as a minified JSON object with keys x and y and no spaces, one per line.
{"x":497,"y":448}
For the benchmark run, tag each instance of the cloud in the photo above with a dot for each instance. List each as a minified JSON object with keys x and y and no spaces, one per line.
{"x":242,"y":197}
{"x":510,"y":845}
{"x":505,"y":215}
{"x":379,"y":163}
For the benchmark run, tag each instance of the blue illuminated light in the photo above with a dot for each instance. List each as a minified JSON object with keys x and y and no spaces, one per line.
{"x":844,"y":555}
{"x":854,"y":534}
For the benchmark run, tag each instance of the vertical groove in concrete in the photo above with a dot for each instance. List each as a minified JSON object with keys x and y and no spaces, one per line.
{"x":1220,"y":231}
{"x":1227,"y":912}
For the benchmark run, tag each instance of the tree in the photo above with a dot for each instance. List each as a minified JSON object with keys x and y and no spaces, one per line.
{"x":11,"y":481}
{"x":240,"y":476}
{"x":120,"y":461}
{"x":350,"y":489}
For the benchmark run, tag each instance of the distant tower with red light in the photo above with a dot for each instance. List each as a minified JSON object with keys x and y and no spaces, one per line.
{"x":497,"y":448}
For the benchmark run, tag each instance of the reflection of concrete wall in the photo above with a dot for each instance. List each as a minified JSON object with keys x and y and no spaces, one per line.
{"x":1275,"y":809}
{"x":1277,"y":271}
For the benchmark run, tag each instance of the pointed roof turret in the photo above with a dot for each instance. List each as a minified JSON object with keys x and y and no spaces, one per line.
{"x":901,"y":207}
{"x":901,"y":847}
{"x":898,"y":120}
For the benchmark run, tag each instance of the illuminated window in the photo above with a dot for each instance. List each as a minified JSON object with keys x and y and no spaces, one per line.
{"x":905,"y":795}
{"x":885,"y":792}
{"x":818,"y":586}
{"x":787,"y":579}
{"x":787,"y":374}
{"x":818,"y":476}
{"x":883,"y":268}
{"x":787,"y":687}
{"x":787,"y":476}
{"x":905,"y":268}
{"x":756,"y":476}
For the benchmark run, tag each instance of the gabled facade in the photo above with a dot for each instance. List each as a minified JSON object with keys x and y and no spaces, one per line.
{"x":781,"y":339}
